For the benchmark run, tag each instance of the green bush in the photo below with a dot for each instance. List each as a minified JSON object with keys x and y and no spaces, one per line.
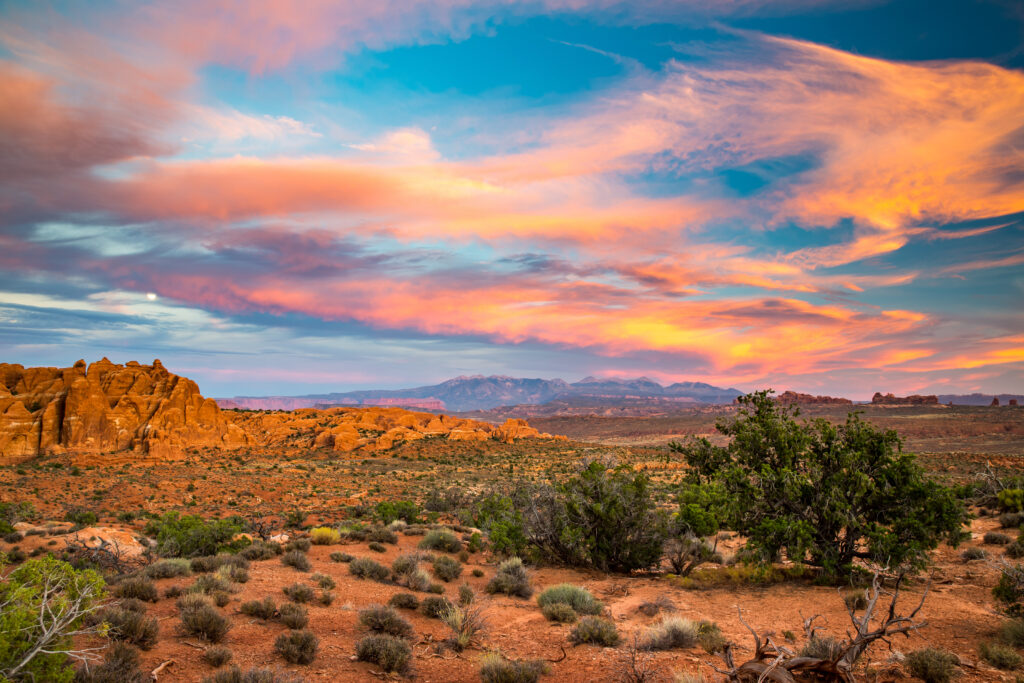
{"x":130,"y":626}
{"x":447,"y":568}
{"x":710,"y":637}
{"x":671,"y":633}
{"x":511,"y":579}
{"x":1011,"y":520}
{"x":365,"y":568}
{"x":293,"y":615}
{"x":297,"y":559}
{"x":442,"y":540}
{"x":824,"y":494}
{"x":595,"y":630}
{"x":209,"y":584}
{"x":404,"y":601}
{"x":1012,"y":632}
{"x":137,"y":587}
{"x":496,"y":669}
{"x":1011,"y":500}
{"x":466,"y":595}
{"x":120,"y":665}
{"x":580,"y":599}
{"x":341,"y":557}
{"x":999,"y":656}
{"x":261,"y":609}
{"x":931,"y":665}
{"x":191,"y":535}
{"x":297,"y":647}
{"x":560,"y":612}
{"x":379,"y":534}
{"x":1009,"y":589}
{"x":206,"y":623}
{"x":502,"y":518}
{"x":387,"y":652}
{"x":383,"y":619}
{"x":168,"y":569}
{"x":377,"y":547}
{"x":434,"y":607}
{"x":261,"y":550}
{"x":407,"y":511}
{"x":81,"y":518}
{"x":302,"y":544}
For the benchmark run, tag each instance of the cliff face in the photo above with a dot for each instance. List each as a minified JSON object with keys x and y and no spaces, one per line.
{"x":106,"y":407}
{"x":914,"y":400}
{"x":793,"y":397}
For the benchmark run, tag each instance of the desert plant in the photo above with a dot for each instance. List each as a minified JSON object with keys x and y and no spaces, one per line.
{"x":297,"y":560}
{"x":1011,"y":520}
{"x":1011,"y":632}
{"x":236,"y":675}
{"x":387,"y":652}
{"x":1009,"y":589}
{"x":465,"y":623}
{"x":190,"y":601}
{"x":233,"y":573}
{"x":130,"y":626}
{"x":377,"y":547}
{"x":975,"y":553}
{"x":293,"y":615}
{"x":206,"y":623}
{"x":261,"y":609}
{"x":1011,"y":499}
{"x":434,"y":607}
{"x":996,"y":538}
{"x":209,"y":584}
{"x":442,"y":540}
{"x":168,"y":568}
{"x":217,"y":656}
{"x":496,"y":669}
{"x":390,"y":511}
{"x":580,"y":599}
{"x":324,"y":535}
{"x":297,"y":647}
{"x":323,"y":580}
{"x":670,"y":633}
{"x":710,"y":637}
{"x":687,"y":552}
{"x":825,"y":494}
{"x":383,"y":619}
{"x":446,"y":568}
{"x":365,"y":568}
{"x":595,"y":630}
{"x":404,"y":601}
{"x":261,"y":550}
{"x":999,"y":656}
{"x":821,"y":647}
{"x":300,"y":544}
{"x":191,"y":535}
{"x":341,"y":557}
{"x":466,"y":595}
{"x":560,"y":612}
{"x":137,"y":587}
{"x":299,"y":592}
{"x":120,"y":665}
{"x":931,"y":665}
{"x":326,"y":598}
{"x":511,"y":579}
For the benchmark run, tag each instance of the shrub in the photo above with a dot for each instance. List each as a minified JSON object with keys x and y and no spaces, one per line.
{"x":293,"y":615}
{"x":560,"y":612}
{"x":580,"y":599}
{"x":168,"y":569}
{"x":821,"y":647}
{"x":211,"y":563}
{"x":137,"y":587}
{"x":379,"y":534}
{"x":13,"y":537}
{"x":441,"y":540}
{"x":1012,"y":632}
{"x":365,"y":568}
{"x":234,"y":574}
{"x":377,"y":547}
{"x":822,"y":493}
{"x":191,"y":535}
{"x":323,"y":580}
{"x":209,"y":584}
{"x":595,"y":630}
{"x":405,"y":510}
{"x":434,"y":607}
{"x":974,"y":553}
{"x":217,"y":656}
{"x":191,"y":601}
{"x":301,"y":544}
{"x":297,"y":647}
{"x":688,"y":552}
{"x":206,"y":623}
{"x":81,"y":518}
{"x":511,"y":579}
{"x":341,"y":557}
{"x":477,"y":572}
{"x":496,"y":669}
{"x":466,"y":595}
{"x":1009,"y":590}
{"x":465,"y":623}
{"x":235,"y":675}
{"x":262,"y":550}
{"x":996,"y":538}
{"x":1011,"y":500}
{"x":326,"y":598}
{"x":670,"y":633}
{"x":931,"y":665}
{"x":261,"y":609}
{"x":383,"y":619}
{"x":299,"y":592}
{"x":999,"y":656}
{"x":120,"y":665}
{"x":297,"y":560}
{"x":130,"y":626}
{"x":710,"y":637}
{"x":446,"y":568}
{"x":220,"y":598}
{"x":324,"y":535}
{"x":387,"y":652}
{"x":405,"y":564}
{"x":1011,"y":520}
{"x":404,"y":601}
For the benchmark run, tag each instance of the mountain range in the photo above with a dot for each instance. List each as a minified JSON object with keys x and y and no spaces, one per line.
{"x":477,"y":392}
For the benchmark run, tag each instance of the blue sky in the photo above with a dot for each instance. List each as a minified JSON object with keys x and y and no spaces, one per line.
{"x":280,"y":198}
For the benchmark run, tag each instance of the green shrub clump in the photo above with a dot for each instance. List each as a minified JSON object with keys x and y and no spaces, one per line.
{"x":387,"y":652}
{"x":191,"y":535}
{"x":299,"y":592}
{"x":297,"y":559}
{"x":404,"y":601}
{"x":261,"y":609}
{"x":297,"y":647}
{"x":999,"y":656}
{"x":168,"y":568}
{"x":511,"y":579}
{"x":293,"y":615}
{"x":931,"y":665}
{"x":595,"y":630}
{"x":576,"y":597}
{"x":441,"y":540}
{"x":381,"y":619}
{"x":138,"y":588}
{"x":365,"y":568}
{"x":447,"y":568}
{"x":496,"y":669}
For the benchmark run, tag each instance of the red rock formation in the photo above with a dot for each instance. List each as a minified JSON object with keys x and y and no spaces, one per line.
{"x":105,"y":408}
{"x":1012,"y":402}
{"x":792,"y":397}
{"x":995,"y":402}
{"x":914,"y":400}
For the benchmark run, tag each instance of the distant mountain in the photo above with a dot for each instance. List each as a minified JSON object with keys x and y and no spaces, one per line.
{"x":979,"y":399}
{"x":478,"y":392}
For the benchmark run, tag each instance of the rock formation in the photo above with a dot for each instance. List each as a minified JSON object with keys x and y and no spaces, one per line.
{"x":914,"y":400}
{"x":793,"y":397}
{"x":104,"y":408}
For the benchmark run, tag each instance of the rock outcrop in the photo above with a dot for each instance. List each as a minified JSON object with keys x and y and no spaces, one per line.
{"x":914,"y":400}
{"x":106,"y":407}
{"x":368,"y":430}
{"x":793,"y":397}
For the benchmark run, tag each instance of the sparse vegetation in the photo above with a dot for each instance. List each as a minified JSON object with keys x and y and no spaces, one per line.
{"x":596,"y":630}
{"x":293,"y":615}
{"x":404,"y":601}
{"x":297,"y":560}
{"x":365,"y":568}
{"x":191,"y":535}
{"x":442,"y":540}
{"x":670,"y":633}
{"x":931,"y":665}
{"x":299,"y":592}
{"x":261,"y":609}
{"x":297,"y":647}
{"x":168,"y":568}
{"x":381,"y":619}
{"x":999,"y":656}
{"x":496,"y":669}
{"x":447,"y":568}
{"x":578,"y":598}
{"x":205,"y":622}
{"x":465,"y":623}
{"x":387,"y":652}
{"x":138,"y":588}
{"x":511,"y":579}
{"x":434,"y":607}
{"x":217,"y":656}
{"x":324,"y":535}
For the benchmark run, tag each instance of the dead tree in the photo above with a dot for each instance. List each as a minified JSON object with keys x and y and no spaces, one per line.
{"x":771,"y":662}
{"x":106,"y":555}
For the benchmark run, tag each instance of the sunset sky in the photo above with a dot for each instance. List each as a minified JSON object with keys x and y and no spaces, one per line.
{"x":288,"y":197}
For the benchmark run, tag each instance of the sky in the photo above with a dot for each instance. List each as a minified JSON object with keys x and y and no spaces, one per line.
{"x":289,"y":197}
